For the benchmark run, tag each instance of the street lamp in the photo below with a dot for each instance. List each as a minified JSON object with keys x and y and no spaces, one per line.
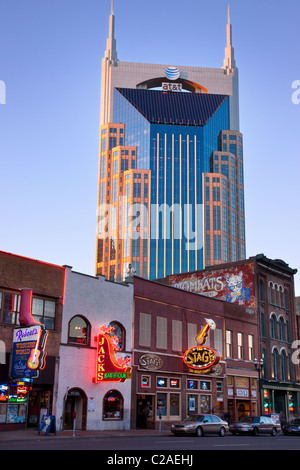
{"x":259,"y":367}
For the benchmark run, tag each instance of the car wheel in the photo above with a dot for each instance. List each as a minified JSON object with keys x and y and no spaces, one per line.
{"x":274,"y":432}
{"x":222,"y":432}
{"x":255,"y":432}
{"x":199,"y":432}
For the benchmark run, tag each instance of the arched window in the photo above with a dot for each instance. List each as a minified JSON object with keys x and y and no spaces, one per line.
{"x":79,"y":331}
{"x":113,"y":406}
{"x":273,"y":325}
{"x":120,"y":333}
{"x":271,"y":292}
{"x":284,"y":365}
{"x":275,"y":361}
{"x":281,"y":324}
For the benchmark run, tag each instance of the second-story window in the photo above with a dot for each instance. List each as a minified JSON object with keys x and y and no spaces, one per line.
{"x":79,"y":331}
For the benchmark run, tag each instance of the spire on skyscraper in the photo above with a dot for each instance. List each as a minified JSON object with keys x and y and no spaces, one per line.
{"x":229,"y":62}
{"x":111,"y":45}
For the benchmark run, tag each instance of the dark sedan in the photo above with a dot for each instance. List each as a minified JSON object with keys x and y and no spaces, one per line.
{"x":255,"y":425}
{"x":292,"y":428}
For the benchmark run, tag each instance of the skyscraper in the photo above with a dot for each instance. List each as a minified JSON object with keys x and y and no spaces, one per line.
{"x":171,"y":184}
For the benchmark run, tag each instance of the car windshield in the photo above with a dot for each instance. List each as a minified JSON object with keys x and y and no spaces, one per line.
{"x":250,"y":419}
{"x":295,"y":421}
{"x":194,"y":418}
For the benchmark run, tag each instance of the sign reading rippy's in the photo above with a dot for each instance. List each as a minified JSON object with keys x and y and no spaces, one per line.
{"x":109,"y":367}
{"x":200,"y":358}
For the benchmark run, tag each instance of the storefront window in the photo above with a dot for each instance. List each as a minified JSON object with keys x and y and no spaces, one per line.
{"x":205,"y":403}
{"x":79,"y":331}
{"x":113,"y":405}
{"x":267,"y":402}
{"x":13,"y":403}
{"x":192,"y":404}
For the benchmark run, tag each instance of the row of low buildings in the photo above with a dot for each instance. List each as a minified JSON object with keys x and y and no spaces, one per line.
{"x":126,"y":355}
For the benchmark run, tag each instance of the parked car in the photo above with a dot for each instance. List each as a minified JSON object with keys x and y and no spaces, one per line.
{"x":200,"y":425}
{"x":292,"y":427}
{"x":255,"y":425}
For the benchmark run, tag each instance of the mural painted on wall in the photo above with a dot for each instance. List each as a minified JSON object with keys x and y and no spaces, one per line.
{"x":235,"y":285}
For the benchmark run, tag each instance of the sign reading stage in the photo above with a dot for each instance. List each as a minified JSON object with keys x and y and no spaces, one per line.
{"x":200,"y":358}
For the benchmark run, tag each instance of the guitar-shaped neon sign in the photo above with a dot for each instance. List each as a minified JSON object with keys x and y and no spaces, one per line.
{"x":201,"y":337}
{"x":37,"y":355}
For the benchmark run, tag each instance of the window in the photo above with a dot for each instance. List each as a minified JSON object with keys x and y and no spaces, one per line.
{"x":113,"y":406}
{"x":174,"y":404}
{"x":281,"y":324}
{"x":119,"y":333}
{"x":176,"y":335}
{"x":79,"y":331}
{"x":11,"y":308}
{"x":145,"y":329}
{"x":43,"y":311}
{"x":240,"y":345}
{"x":191,"y":332}
{"x":273,"y":326}
{"x":275,"y":361}
{"x":250,"y":348}
{"x":261,"y":291}
{"x":228,"y":343}
{"x":161,"y":332}
{"x":192,"y":404}
{"x":218,"y":339}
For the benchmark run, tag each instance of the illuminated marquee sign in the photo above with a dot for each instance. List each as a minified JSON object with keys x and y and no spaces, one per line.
{"x":110,"y":368}
{"x":200,"y":358}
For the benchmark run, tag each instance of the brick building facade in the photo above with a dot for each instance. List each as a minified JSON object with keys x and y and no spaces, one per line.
{"x":267,"y":287}
{"x":166,"y":321}
{"x":47,"y":284}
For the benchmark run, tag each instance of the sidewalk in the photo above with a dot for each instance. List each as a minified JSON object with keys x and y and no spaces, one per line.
{"x":32,"y":434}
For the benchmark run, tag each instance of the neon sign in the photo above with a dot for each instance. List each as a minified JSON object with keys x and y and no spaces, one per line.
{"x":28,"y":352}
{"x":200,"y":358}
{"x":109,"y":367}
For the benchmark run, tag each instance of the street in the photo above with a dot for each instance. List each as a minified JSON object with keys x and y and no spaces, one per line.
{"x":157,"y":443}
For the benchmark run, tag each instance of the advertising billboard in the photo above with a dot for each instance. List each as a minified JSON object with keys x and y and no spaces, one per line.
{"x":234,"y":285}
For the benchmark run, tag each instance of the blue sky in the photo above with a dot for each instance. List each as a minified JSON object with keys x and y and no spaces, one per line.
{"x":50,"y":61}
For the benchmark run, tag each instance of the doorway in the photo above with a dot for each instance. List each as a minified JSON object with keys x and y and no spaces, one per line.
{"x":144,"y":411}
{"x":75,"y":409}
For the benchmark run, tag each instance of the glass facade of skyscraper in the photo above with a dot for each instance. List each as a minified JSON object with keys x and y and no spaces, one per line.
{"x":174,"y":137}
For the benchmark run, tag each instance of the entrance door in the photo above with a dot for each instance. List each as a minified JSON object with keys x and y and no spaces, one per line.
{"x":75,"y":409}
{"x":144,"y":411}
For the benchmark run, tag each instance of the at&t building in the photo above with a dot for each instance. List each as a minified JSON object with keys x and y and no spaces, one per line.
{"x":171,"y":184}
